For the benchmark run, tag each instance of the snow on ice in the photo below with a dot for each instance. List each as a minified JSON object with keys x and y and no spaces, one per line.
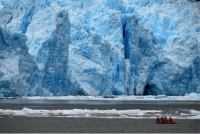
{"x":99,"y":47}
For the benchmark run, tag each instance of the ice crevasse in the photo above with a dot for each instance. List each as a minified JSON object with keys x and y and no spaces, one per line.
{"x":99,"y":47}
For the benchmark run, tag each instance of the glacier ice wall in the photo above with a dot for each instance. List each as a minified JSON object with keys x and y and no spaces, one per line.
{"x":49,"y":57}
{"x":18,"y":72}
{"x":51,"y":50}
{"x":100,"y":47}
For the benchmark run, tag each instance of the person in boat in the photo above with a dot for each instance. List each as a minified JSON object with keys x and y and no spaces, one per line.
{"x":162,"y":119}
{"x":158,"y":119}
{"x":166,"y":119}
{"x":170,"y":119}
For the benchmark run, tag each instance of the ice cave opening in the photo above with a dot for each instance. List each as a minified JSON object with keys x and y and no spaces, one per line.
{"x":80,"y":93}
{"x":148,"y":90}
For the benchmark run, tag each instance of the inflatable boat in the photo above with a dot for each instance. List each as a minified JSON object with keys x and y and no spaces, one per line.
{"x":160,"y":122}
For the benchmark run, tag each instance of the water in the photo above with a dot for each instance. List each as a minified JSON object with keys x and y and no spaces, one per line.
{"x":98,"y":102}
{"x":19,"y":124}
{"x":93,"y":125}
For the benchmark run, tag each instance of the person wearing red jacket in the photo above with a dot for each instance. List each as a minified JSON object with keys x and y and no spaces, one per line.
{"x":170,"y":119}
{"x":158,"y":119}
{"x":162,"y":119}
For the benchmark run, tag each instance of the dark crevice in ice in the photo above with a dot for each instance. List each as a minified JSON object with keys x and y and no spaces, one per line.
{"x":80,"y":93}
{"x":148,"y":90}
{"x":126,"y":47}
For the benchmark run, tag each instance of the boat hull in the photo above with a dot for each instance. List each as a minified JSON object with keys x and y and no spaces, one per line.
{"x":160,"y":122}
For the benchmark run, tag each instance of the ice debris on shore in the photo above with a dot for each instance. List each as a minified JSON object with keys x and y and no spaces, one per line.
{"x":99,"y":47}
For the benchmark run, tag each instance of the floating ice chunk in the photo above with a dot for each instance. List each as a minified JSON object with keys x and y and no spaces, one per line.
{"x":26,"y":109}
{"x":161,"y":96}
{"x":193,"y":96}
{"x":132,"y":113}
{"x":195,"y":117}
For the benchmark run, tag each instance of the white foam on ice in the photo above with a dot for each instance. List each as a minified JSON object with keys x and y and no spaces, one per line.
{"x":187,"y":97}
{"x":86,"y":113}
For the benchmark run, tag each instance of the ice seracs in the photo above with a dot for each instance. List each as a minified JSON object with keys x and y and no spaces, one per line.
{"x":103,"y":47}
{"x":18,"y":71}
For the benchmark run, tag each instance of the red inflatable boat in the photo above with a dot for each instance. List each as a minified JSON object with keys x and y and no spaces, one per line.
{"x":160,"y":122}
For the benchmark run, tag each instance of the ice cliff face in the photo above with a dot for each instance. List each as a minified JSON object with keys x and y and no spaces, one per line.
{"x":48,"y":51}
{"x":18,"y":72}
{"x":99,"y":47}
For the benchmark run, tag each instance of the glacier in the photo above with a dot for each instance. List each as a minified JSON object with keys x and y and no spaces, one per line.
{"x":99,"y":47}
